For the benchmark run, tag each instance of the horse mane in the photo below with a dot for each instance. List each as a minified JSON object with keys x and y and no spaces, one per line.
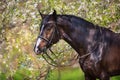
{"x":77,"y":20}
{"x":101,"y":30}
{"x":85,"y":23}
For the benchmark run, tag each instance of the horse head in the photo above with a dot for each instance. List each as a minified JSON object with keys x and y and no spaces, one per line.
{"x":49,"y":33}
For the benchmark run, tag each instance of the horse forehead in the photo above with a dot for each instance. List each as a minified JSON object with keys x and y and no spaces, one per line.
{"x":47,"y":22}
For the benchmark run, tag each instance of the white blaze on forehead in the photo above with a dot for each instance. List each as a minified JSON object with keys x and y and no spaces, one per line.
{"x":42,"y":27}
{"x":39,"y":40}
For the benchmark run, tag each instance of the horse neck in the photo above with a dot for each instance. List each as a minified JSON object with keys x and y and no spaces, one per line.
{"x":74,"y":36}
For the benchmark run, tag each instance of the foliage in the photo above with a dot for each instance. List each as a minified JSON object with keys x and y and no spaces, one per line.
{"x":19,"y":27}
{"x":68,"y":73}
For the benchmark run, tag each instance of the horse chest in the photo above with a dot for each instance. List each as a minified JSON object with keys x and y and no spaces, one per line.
{"x":89,"y":67}
{"x":86,"y":65}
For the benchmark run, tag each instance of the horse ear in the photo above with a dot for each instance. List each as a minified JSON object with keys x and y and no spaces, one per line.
{"x":54,"y":15}
{"x":42,"y":15}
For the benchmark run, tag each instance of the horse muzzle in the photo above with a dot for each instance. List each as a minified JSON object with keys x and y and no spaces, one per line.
{"x":38,"y":50}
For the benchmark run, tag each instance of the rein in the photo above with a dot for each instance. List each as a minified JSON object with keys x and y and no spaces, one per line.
{"x":83,"y":56}
{"x":53,"y":62}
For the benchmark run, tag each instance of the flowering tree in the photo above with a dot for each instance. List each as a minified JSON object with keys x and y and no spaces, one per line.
{"x":19,"y":27}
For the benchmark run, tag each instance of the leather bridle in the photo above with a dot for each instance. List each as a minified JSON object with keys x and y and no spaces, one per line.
{"x":49,"y":41}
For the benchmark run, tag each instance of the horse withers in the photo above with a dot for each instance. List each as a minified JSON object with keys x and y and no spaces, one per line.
{"x":98,"y":47}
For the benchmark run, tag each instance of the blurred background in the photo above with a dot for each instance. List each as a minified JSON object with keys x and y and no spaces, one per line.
{"x":19,"y":28}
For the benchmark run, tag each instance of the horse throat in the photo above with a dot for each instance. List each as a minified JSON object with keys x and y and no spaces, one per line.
{"x":73,"y":34}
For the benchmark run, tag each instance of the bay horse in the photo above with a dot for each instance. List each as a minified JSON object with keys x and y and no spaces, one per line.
{"x":98,"y":47}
